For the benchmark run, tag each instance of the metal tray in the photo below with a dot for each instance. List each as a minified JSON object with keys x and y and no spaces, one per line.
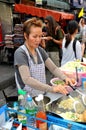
{"x":53,"y":107}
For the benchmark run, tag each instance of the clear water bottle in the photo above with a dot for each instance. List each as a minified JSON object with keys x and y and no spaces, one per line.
{"x":21,"y":101}
{"x":31,"y":111}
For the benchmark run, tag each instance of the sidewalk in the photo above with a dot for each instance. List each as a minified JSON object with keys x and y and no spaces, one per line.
{"x":7,"y":82}
{"x":6,"y":75}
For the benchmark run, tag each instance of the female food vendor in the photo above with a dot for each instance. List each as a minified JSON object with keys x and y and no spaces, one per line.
{"x":30,"y":61}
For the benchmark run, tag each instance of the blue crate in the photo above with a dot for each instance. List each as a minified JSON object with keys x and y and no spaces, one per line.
{"x":51,"y":120}
{"x":65,"y":123}
{"x":2,"y":115}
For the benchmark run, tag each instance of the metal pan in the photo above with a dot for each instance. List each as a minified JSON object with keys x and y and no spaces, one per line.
{"x":54,"y":109}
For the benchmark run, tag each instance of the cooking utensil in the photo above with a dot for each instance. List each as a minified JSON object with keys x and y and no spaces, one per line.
{"x":78,"y":106}
{"x":83,"y":95}
{"x":77,"y":77}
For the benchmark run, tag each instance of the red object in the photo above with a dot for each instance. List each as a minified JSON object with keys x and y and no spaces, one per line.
{"x":0,"y":33}
{"x":16,"y":125}
{"x":84,"y":64}
{"x":39,"y":123}
{"x":41,"y":12}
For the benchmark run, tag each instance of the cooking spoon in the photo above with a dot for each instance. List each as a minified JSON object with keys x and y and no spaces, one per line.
{"x":78,"y":107}
{"x":78,"y":91}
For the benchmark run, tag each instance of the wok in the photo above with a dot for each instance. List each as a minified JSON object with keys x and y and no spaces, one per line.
{"x":54,"y":109}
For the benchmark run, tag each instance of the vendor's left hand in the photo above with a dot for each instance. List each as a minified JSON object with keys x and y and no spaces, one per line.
{"x":70,"y":81}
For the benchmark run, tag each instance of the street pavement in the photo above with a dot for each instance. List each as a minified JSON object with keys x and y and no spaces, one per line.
{"x":7,"y":82}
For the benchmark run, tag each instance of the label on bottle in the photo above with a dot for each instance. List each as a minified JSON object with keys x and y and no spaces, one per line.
{"x":21,"y":117}
{"x":43,"y":126}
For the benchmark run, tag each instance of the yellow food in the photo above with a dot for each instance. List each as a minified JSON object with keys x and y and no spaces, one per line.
{"x":84,"y":116}
{"x":70,"y":116}
{"x":70,"y":66}
{"x":66,"y":104}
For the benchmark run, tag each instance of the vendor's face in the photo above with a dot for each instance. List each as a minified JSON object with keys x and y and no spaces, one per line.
{"x":34,"y":38}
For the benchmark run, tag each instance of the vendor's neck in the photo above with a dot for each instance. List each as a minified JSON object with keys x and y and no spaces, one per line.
{"x":32,"y":50}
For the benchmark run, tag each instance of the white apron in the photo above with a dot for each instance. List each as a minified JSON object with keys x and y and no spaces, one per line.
{"x":37,"y":71}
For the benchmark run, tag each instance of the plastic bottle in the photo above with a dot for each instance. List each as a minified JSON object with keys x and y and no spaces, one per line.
{"x":21,"y":99}
{"x":31,"y":111}
{"x":41,"y":113}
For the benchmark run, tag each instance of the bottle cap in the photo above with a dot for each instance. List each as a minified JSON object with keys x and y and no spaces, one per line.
{"x":29,"y":98}
{"x":21,"y":92}
{"x":41,"y":96}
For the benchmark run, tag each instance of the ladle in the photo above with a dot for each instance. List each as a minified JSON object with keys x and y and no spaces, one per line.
{"x":78,"y":91}
{"x":77,"y":77}
{"x":78,"y":107}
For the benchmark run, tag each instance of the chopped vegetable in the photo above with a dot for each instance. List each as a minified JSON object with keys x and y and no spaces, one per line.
{"x":59,"y":82}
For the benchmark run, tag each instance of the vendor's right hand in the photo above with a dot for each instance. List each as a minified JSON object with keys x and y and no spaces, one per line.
{"x":60,"y":89}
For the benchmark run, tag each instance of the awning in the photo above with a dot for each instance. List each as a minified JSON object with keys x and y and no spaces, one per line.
{"x":41,"y":12}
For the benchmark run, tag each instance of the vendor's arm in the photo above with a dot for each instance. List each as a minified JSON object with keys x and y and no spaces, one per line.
{"x":58,"y":73}
{"x":27,"y":79}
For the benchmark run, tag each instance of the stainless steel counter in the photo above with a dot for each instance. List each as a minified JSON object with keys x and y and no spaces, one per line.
{"x":53,"y":96}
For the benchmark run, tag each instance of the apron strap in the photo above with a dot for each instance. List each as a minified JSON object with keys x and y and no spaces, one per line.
{"x":17,"y":83}
{"x":26,"y":51}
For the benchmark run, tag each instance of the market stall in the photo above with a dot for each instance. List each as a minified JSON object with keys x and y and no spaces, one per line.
{"x":41,"y":12}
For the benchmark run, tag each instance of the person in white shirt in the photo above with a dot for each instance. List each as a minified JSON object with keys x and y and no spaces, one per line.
{"x":68,"y":53}
{"x":83,"y":34}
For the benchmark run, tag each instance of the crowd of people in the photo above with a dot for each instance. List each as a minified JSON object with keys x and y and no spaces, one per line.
{"x":47,"y":47}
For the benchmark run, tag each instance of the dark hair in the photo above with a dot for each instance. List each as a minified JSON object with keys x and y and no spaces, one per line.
{"x":52,"y":25}
{"x":44,"y":29}
{"x":71,"y":28}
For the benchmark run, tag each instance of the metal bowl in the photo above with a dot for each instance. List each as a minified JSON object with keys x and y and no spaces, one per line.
{"x":46,"y":100}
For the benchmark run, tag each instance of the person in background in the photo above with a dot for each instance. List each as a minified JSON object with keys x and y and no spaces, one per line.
{"x":30,"y":61}
{"x":44,"y":34}
{"x":83,"y":34}
{"x":54,"y":39}
{"x":68,"y":53}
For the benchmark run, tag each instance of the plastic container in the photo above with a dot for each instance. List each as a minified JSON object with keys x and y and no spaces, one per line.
{"x":21,"y":107}
{"x":83,"y":81}
{"x":21,"y":97}
{"x":69,"y":69}
{"x":22,"y":118}
{"x":56,"y":81}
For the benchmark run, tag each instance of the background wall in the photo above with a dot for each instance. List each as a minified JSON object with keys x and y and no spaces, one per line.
{"x":6,"y":18}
